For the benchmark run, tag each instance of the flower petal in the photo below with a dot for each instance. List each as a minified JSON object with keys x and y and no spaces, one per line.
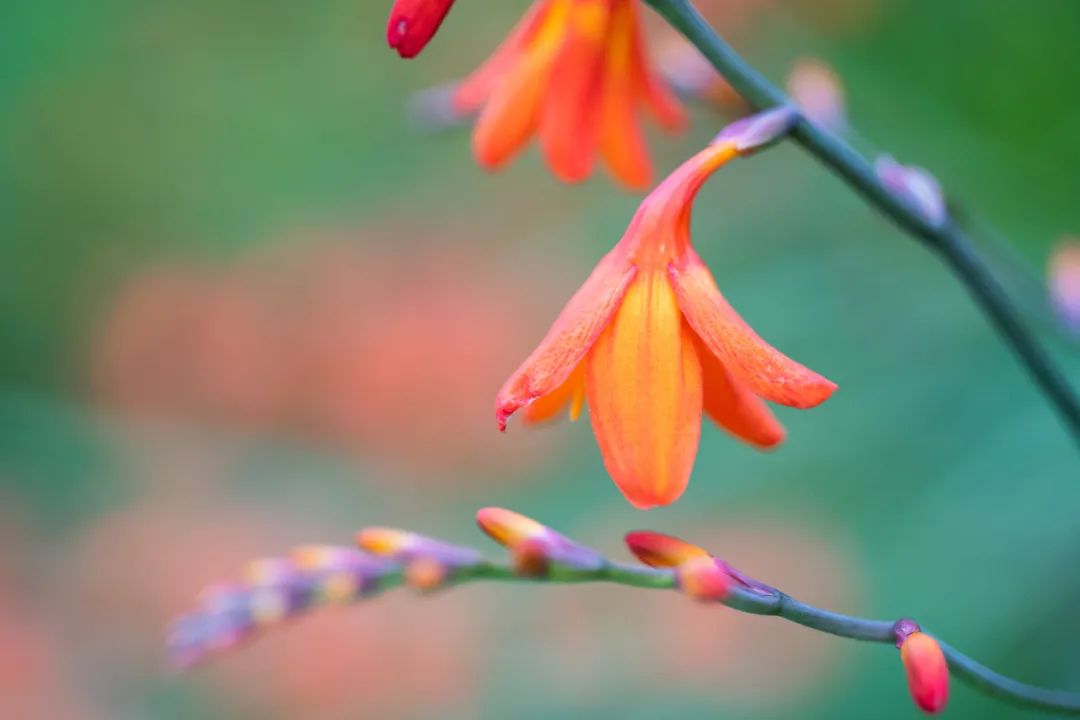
{"x":660,"y":550}
{"x":768,"y":372}
{"x":568,"y":123}
{"x":512,"y":113}
{"x":621,"y":142}
{"x":643,"y":382}
{"x":471,"y":94}
{"x":734,"y":407}
{"x":570,"y":395}
{"x":575,"y":330}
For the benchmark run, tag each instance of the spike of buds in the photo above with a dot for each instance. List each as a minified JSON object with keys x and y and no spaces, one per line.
{"x":917,"y":186}
{"x":413,"y":23}
{"x":926,"y":667}
{"x":536,"y":547}
{"x":273,"y":590}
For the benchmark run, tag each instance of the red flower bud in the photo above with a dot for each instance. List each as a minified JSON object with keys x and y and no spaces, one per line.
{"x":703,"y":579}
{"x":413,"y":23}
{"x":927,"y":672}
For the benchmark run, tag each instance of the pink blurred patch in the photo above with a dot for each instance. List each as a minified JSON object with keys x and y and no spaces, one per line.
{"x":393,"y":354}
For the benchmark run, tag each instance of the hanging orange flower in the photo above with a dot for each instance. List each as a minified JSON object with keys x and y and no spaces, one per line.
{"x":650,"y":342}
{"x":576,"y":74}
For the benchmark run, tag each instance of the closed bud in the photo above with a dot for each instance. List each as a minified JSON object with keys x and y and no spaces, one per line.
{"x":659,"y":550}
{"x":413,"y":23}
{"x":531,"y":558}
{"x":927,"y":672}
{"x":917,"y":186}
{"x":426,"y":574}
{"x":522,"y":534}
{"x":704,"y":579}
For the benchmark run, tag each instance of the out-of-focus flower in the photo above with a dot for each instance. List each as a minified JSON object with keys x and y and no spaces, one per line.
{"x":533,"y":546}
{"x":917,"y":186}
{"x":1064,"y":280}
{"x":651,"y":318}
{"x":272,"y":591}
{"x":574,"y":73}
{"x":429,"y":563}
{"x":927,"y":671}
{"x":413,"y":23}
{"x":818,"y":91}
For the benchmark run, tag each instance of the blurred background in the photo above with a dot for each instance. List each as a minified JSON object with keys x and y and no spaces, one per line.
{"x":244,"y":304}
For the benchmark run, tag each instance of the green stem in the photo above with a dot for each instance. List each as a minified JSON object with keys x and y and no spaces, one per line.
{"x":784,"y":606}
{"x":946,"y":239}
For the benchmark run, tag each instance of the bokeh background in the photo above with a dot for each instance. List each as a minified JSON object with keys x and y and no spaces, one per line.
{"x":245,"y":304}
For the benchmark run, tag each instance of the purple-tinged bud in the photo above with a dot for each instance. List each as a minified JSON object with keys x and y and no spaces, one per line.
{"x":818,"y":92}
{"x":407,"y":547}
{"x":427,"y":574}
{"x":531,"y":558}
{"x":1064,"y":284}
{"x":915,"y":185}
{"x":512,"y":529}
{"x":705,"y":579}
{"x":757,"y":131}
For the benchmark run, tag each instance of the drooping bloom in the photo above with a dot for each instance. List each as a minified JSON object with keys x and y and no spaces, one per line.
{"x":413,"y":23}
{"x":576,"y":74}
{"x":651,"y":343}
{"x":927,"y":671}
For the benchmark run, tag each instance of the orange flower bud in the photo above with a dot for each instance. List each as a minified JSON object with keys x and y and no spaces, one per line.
{"x":927,"y":671}
{"x":413,"y":23}
{"x":426,"y":574}
{"x":703,"y":579}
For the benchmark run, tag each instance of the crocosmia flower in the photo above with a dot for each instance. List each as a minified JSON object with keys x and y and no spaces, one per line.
{"x":927,"y":672}
{"x":413,"y":23}
{"x":576,"y":74}
{"x":650,"y":344}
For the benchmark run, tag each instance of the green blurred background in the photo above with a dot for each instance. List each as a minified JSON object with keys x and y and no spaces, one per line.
{"x":245,"y":304}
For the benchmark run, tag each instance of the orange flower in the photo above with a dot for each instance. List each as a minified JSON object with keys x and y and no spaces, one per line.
{"x":413,"y":23}
{"x":650,"y":342}
{"x":574,"y":72}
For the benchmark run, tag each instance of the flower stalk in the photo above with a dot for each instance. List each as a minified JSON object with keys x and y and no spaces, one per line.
{"x":321,"y":575}
{"x":948,"y":240}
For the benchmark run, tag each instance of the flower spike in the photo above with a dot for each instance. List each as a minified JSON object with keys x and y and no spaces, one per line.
{"x":925,"y":665}
{"x":650,"y":317}
{"x":273,"y":590}
{"x":413,"y":23}
{"x":535,"y":547}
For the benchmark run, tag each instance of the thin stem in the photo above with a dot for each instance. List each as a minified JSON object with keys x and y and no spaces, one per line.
{"x":784,"y":606}
{"x":946,"y":239}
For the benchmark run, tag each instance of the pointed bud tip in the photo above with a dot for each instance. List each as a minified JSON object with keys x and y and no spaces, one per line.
{"x":659,"y":550}
{"x":413,"y":23}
